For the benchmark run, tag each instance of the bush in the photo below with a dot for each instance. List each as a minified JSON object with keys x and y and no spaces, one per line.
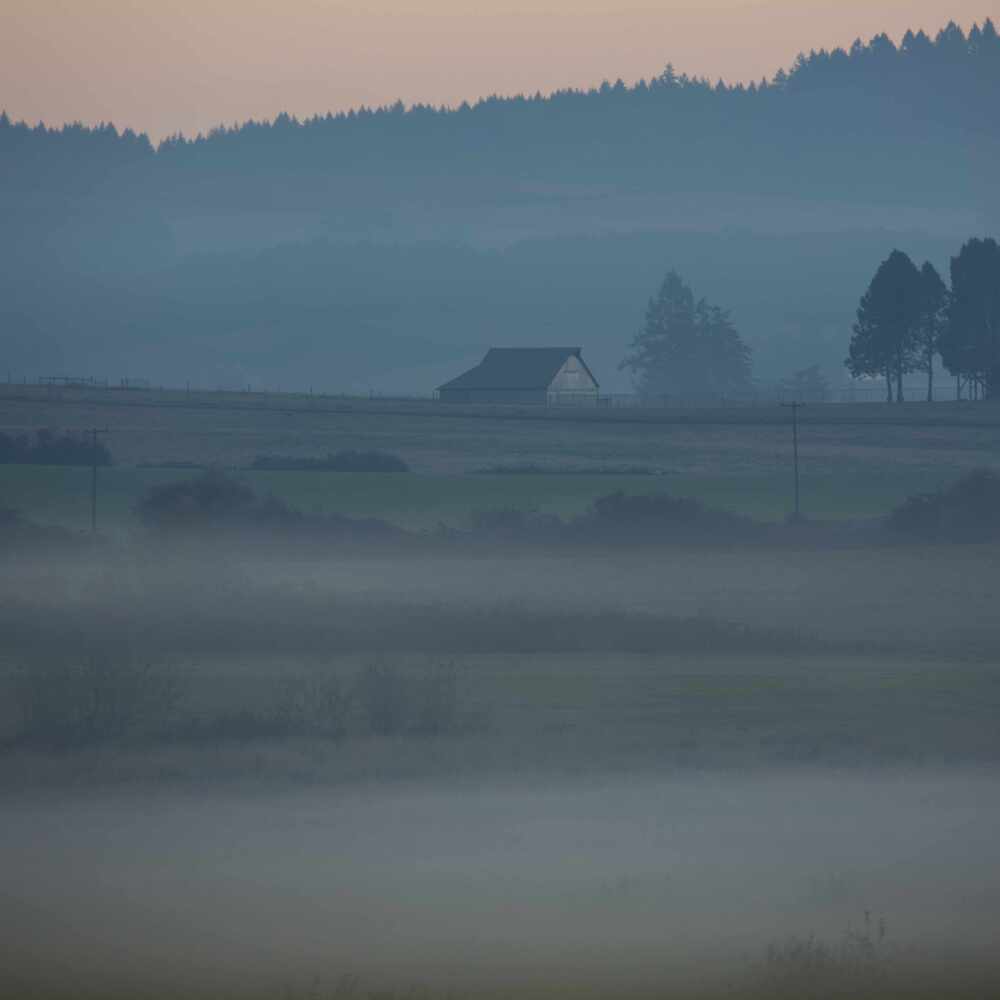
{"x":209,"y":500}
{"x":216,"y":502}
{"x":102,"y":698}
{"x":511,"y":524}
{"x":425,"y":704}
{"x":536,"y":469}
{"x":342,"y":461}
{"x":658,"y":517}
{"x":382,"y":694}
{"x":234,"y":726}
{"x":16,"y":529}
{"x":212,"y":501}
{"x":317,"y":706}
{"x":968,"y":511}
{"x":437,"y":701}
{"x":807,"y":967}
{"x":50,"y":448}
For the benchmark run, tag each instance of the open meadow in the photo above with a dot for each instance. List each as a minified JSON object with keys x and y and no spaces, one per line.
{"x":858,"y":460}
{"x":457,"y":765}
{"x":669,"y":772}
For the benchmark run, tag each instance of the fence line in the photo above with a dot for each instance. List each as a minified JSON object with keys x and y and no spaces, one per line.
{"x":945,"y":390}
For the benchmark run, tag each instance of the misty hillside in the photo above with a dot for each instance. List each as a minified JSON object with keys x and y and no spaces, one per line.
{"x":387,"y":247}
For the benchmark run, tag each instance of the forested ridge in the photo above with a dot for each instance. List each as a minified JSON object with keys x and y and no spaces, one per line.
{"x":272,"y":249}
{"x":876,"y":98}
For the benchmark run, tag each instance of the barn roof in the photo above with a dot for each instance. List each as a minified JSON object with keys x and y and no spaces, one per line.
{"x":516,"y":368}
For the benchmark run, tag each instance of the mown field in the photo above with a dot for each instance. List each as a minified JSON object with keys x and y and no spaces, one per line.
{"x":423,"y":501}
{"x":857,"y":460}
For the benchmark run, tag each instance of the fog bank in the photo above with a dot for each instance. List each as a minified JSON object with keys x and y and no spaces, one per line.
{"x":624,"y":885}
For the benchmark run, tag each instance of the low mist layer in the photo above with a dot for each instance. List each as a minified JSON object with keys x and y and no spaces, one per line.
{"x":630,"y":886}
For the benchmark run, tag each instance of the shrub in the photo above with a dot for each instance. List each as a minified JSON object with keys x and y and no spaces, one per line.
{"x":383,"y":696}
{"x":425,"y":704}
{"x":216,"y":502}
{"x":536,"y":469}
{"x":317,"y":706}
{"x":856,"y":965}
{"x":437,"y":701}
{"x":968,"y":511}
{"x":18,"y":533}
{"x":511,"y":524}
{"x":662,"y":517}
{"x":212,"y":500}
{"x":50,"y":448}
{"x":101,"y":698}
{"x":234,"y":726}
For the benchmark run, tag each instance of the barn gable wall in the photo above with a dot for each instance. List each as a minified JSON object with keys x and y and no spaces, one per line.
{"x":573,"y":377}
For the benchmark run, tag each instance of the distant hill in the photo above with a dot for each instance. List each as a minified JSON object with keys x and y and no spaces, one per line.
{"x":277,"y":250}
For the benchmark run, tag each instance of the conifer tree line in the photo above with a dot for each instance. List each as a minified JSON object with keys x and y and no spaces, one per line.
{"x":670,"y":127}
{"x":909,"y":317}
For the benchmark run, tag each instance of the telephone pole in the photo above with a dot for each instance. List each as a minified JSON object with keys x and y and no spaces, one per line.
{"x":94,"y":431}
{"x":794,"y":407}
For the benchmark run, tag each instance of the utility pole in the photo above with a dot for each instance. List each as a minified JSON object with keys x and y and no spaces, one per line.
{"x":794,"y":407}
{"x":94,"y":431}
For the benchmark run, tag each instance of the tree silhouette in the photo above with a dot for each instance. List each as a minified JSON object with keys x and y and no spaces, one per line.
{"x":831,"y":107}
{"x":687,"y":349}
{"x":885,"y":334}
{"x":970,"y":348}
{"x":805,"y":385}
{"x":932,"y":320}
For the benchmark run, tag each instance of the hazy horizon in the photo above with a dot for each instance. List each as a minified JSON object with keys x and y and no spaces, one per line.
{"x":150,"y":69}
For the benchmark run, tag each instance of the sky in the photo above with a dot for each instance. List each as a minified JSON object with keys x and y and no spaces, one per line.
{"x":166,"y":66}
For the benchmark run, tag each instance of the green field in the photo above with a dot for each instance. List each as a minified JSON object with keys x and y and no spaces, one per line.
{"x":856,"y":460}
{"x":806,"y":732}
{"x":62,"y":495}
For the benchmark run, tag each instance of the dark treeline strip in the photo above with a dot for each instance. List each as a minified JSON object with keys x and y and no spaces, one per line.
{"x":909,"y":316}
{"x":52,"y":448}
{"x":829,"y":102}
{"x":341,"y":461}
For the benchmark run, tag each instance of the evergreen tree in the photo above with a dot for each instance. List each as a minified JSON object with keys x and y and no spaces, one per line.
{"x":970,"y":347}
{"x":687,"y":349}
{"x":885,"y":334}
{"x":867,"y":354}
{"x":932,"y":320}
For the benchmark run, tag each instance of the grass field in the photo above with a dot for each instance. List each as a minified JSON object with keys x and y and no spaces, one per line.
{"x":588,"y":661}
{"x":645,"y":763}
{"x":422,"y":501}
{"x":857,"y":460}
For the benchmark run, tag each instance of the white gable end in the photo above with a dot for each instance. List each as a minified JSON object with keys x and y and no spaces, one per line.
{"x":572,"y":377}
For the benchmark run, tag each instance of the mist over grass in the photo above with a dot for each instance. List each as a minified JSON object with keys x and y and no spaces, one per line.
{"x":668,"y":755}
{"x":692,"y":886}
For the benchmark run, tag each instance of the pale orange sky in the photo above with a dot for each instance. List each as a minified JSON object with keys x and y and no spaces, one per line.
{"x":162,"y":66}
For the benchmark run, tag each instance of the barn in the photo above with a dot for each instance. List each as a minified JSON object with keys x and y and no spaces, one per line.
{"x":546,"y":375}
